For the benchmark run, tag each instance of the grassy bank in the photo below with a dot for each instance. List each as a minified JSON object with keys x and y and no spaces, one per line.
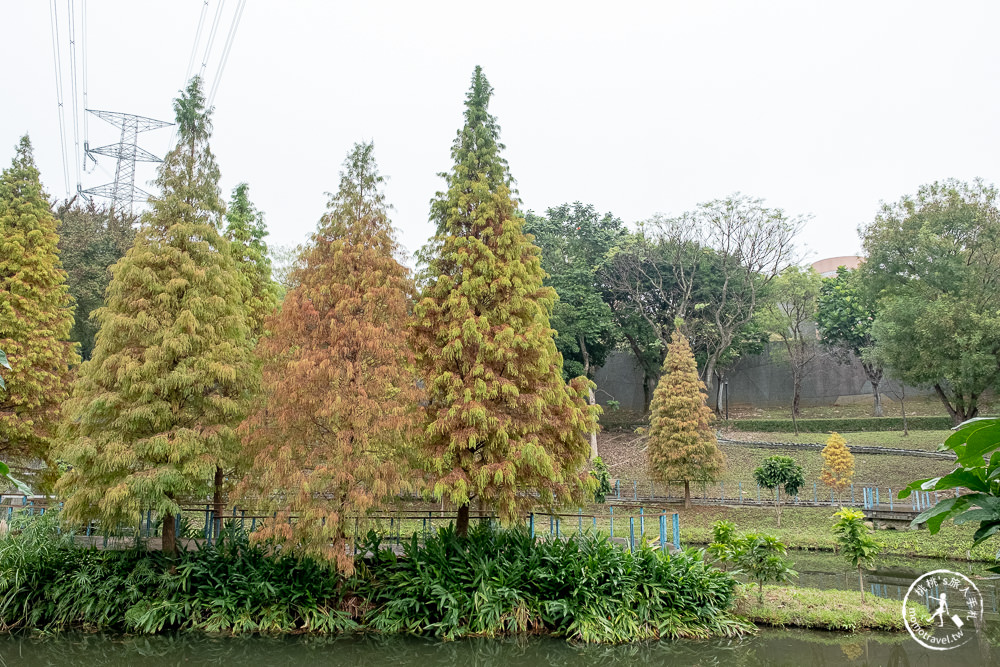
{"x":785,"y":606}
{"x":493,"y":583}
{"x":809,"y":528}
{"x":923,"y":440}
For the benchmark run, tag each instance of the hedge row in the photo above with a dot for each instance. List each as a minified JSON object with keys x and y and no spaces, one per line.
{"x":842,"y":425}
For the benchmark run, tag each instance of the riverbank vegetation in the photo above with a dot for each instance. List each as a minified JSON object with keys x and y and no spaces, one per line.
{"x":785,"y":606}
{"x":494,"y":582}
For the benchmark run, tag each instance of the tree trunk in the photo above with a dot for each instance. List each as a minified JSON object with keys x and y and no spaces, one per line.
{"x":795,"y":422}
{"x":777,"y":504}
{"x":902,"y":407}
{"x":687,"y":495}
{"x":217,"y":505}
{"x":645,"y":394}
{"x":590,"y":391}
{"x":959,"y":412}
{"x":710,"y":382}
{"x":796,"y":393}
{"x":462,"y":523}
{"x":169,"y":535}
{"x":861,"y":583}
{"x":877,"y":398}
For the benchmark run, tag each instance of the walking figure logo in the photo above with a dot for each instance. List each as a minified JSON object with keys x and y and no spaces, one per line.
{"x":946,"y":627}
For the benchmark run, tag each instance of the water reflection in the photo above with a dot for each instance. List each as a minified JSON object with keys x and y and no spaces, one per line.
{"x":772,"y":648}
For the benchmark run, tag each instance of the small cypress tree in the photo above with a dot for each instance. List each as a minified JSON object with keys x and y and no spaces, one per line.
{"x":340,"y":409}
{"x":246,"y":230}
{"x":681,"y":445}
{"x":36,"y":313}
{"x":838,"y":463}
{"x":500,"y":418}
{"x":154,"y":413}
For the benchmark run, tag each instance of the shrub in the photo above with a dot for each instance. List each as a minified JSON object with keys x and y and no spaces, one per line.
{"x":841,"y":425}
{"x":600,"y":473}
{"x":497,"y":582}
{"x":762,"y":558}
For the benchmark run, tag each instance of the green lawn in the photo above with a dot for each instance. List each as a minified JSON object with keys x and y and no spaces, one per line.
{"x":925,"y":440}
{"x":928,"y":406}
{"x":820,"y":609}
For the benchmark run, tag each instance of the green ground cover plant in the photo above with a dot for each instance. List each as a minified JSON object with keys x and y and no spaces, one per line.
{"x":494,"y":582}
{"x":821,"y":609}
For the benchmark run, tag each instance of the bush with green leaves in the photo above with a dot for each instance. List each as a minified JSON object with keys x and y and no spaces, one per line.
{"x":856,"y":543}
{"x":493,"y":582}
{"x":599,"y":471}
{"x":976,"y":444}
{"x":724,"y":540}
{"x":499,"y":582}
{"x":762,"y":559}
{"x":777,"y":472}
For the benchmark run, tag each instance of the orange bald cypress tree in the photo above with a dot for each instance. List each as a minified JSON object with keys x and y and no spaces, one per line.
{"x":341,"y":397}
{"x":681,"y":445}
{"x":500,"y":422}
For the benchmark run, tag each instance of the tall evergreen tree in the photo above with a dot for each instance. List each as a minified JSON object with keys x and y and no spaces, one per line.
{"x":246,"y":230}
{"x":500,"y":418}
{"x":681,"y":445}
{"x":154,"y":413}
{"x":36,"y":313}
{"x":332,"y":436}
{"x":90,"y":242}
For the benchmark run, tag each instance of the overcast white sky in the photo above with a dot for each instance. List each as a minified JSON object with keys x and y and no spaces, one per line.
{"x":819,"y":108}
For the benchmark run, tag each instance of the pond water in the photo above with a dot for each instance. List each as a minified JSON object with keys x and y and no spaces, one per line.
{"x":787,"y":648}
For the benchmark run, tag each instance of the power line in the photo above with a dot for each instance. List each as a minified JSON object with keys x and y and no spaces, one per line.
{"x":83,"y":53}
{"x":211,"y":39}
{"x":57,"y":61}
{"x":76,"y":99}
{"x":230,"y":38}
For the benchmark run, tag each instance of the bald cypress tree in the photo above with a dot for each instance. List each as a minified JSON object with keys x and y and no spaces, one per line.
{"x":155,"y":410}
{"x":500,"y":420}
{"x":332,"y":437}
{"x":245,"y":229}
{"x":36,"y":314}
{"x":681,"y":445}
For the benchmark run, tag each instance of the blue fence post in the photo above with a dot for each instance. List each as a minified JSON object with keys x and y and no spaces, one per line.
{"x":580,"y":526}
{"x":593,"y":518}
{"x":618,"y":488}
{"x":253,"y":523}
{"x":876,"y":497}
{"x":852,"y":493}
{"x":557,"y":528}
{"x":677,"y":531}
{"x":631,"y":533}
{"x":890,"y":500}
{"x":635,"y":490}
{"x":611,"y":511}
{"x":642,"y":523}
{"x":552,"y":525}
{"x":663,"y":530}
{"x":531,"y":524}
{"x":832,"y":501}
{"x":935,"y":497}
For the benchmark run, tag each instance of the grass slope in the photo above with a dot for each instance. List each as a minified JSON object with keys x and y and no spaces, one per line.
{"x":819,"y":609}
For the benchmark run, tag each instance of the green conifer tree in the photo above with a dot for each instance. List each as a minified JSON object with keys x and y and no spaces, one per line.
{"x":246,"y":230}
{"x":500,"y":419}
{"x":36,"y":313}
{"x":154,"y":412}
{"x":681,"y":445}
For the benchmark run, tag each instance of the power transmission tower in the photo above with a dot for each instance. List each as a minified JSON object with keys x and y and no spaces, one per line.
{"x":123,"y":191}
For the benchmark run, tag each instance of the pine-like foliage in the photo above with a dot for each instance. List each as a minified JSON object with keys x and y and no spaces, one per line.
{"x":35,"y":313}
{"x":681,"y":445}
{"x":155,"y":410}
{"x":500,"y":421}
{"x":341,"y":401}
{"x":838,"y":463}
{"x":246,"y":230}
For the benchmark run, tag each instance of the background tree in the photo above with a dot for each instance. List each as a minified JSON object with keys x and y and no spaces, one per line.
{"x":500,"y":419}
{"x":245,"y":229}
{"x":36,"y":313}
{"x":90,"y":242}
{"x":711,"y":266}
{"x":791,"y":318}
{"x":856,"y":543}
{"x":934,"y":263}
{"x":681,"y":445}
{"x":332,"y":435}
{"x":574,"y":241}
{"x":838,"y":463}
{"x":845,"y":314}
{"x":777,"y":472}
{"x":154,"y":412}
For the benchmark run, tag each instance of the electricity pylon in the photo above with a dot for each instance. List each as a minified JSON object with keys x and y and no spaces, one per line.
{"x":123,"y":191}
